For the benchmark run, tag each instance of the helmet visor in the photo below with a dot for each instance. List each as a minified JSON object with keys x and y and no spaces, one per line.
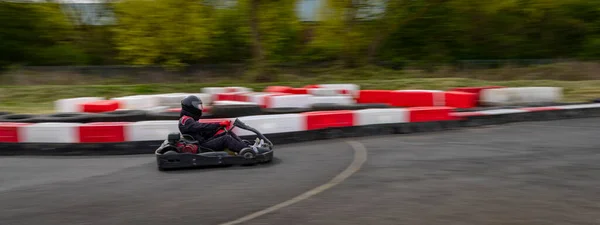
{"x":198,"y":105}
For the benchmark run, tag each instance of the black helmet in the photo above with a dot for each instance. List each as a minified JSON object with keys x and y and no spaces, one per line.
{"x":191,"y":106}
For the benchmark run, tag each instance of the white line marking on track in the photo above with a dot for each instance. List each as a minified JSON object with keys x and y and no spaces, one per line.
{"x":360,"y":156}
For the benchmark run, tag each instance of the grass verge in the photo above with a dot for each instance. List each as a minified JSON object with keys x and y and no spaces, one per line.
{"x":37,"y":99}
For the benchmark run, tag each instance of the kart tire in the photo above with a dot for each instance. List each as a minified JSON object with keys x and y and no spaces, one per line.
{"x":4,"y":113}
{"x":369,"y":106}
{"x":333,"y":106}
{"x":121,"y":116}
{"x":163,"y":116}
{"x":328,"y":107}
{"x":19,"y":118}
{"x":247,"y":153}
{"x":66,"y":118}
{"x":285,"y":110}
{"x":232,"y":111}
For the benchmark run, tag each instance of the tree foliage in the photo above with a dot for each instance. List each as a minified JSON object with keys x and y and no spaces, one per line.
{"x":182,"y":32}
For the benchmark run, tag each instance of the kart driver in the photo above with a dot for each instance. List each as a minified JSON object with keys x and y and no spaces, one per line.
{"x":204,"y":133}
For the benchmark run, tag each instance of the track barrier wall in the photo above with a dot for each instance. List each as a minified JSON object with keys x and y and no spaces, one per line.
{"x":144,"y":137}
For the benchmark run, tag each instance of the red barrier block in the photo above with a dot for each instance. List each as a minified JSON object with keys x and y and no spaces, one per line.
{"x":297,"y":91}
{"x":229,"y":96}
{"x":325,"y":119}
{"x":277,"y":89}
{"x":427,"y":114}
{"x":312,"y":86}
{"x":460,"y":99}
{"x":102,"y":132}
{"x":374,"y":96}
{"x":10,"y":132}
{"x":241,"y":97}
{"x":100,"y":106}
{"x":475,"y":90}
{"x":413,"y":98}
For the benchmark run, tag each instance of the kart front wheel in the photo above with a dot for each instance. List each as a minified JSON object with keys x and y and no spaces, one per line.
{"x":248,"y":153}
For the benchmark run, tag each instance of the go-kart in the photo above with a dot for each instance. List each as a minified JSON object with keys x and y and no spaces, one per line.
{"x":182,"y":151}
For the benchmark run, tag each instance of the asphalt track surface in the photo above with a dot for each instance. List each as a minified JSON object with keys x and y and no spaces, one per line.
{"x":526,"y":173}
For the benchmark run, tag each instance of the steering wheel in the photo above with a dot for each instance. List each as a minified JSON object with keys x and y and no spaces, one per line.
{"x":228,"y":130}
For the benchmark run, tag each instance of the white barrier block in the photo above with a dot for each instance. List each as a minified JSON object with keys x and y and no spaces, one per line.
{"x":257,"y":97}
{"x":327,"y":91}
{"x":154,"y":130}
{"x":138,"y":102}
{"x":340,"y":100}
{"x":292,"y":101}
{"x":51,"y":133}
{"x":72,"y":104}
{"x":268,"y":124}
{"x":380,"y":116}
{"x":174,"y":99}
{"x":520,"y":95}
{"x":238,"y":89}
{"x":154,"y":109}
{"x":353,"y":88}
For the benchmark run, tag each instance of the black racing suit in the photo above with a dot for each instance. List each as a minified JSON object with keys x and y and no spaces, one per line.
{"x":204,"y":133}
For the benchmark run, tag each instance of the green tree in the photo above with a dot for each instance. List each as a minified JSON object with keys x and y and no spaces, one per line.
{"x":167,"y":32}
{"x":36,"y":34}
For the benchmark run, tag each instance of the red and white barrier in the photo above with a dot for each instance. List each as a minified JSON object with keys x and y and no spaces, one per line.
{"x":233,"y":103}
{"x":286,"y":101}
{"x":110,"y":132}
{"x":269,"y":124}
{"x":103,"y":132}
{"x":115,"y":132}
{"x":417,"y":98}
{"x":174,"y":99}
{"x":327,"y":119}
{"x":380,"y":116}
{"x":73,"y":104}
{"x":50,"y":133}
{"x":259,"y":97}
{"x":374,"y":96}
{"x":352,"y":88}
{"x":151,"y":130}
{"x":12,"y":132}
{"x":213,"y":90}
{"x":340,"y":100}
{"x":328,"y":92}
{"x":520,"y":96}
{"x":137,"y":102}
{"x":426,"y":114}
{"x":100,"y":106}
{"x":238,"y":89}
{"x":460,"y":99}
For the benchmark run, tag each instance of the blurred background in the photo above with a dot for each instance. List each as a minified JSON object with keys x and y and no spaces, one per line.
{"x":251,"y":42}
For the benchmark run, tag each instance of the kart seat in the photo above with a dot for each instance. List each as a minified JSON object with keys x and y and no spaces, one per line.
{"x":173,"y":138}
{"x":188,"y":139}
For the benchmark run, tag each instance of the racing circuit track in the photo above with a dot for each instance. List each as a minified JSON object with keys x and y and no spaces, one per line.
{"x":526,"y":173}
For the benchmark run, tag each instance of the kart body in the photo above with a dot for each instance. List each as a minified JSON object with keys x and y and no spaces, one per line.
{"x":182,"y":151}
